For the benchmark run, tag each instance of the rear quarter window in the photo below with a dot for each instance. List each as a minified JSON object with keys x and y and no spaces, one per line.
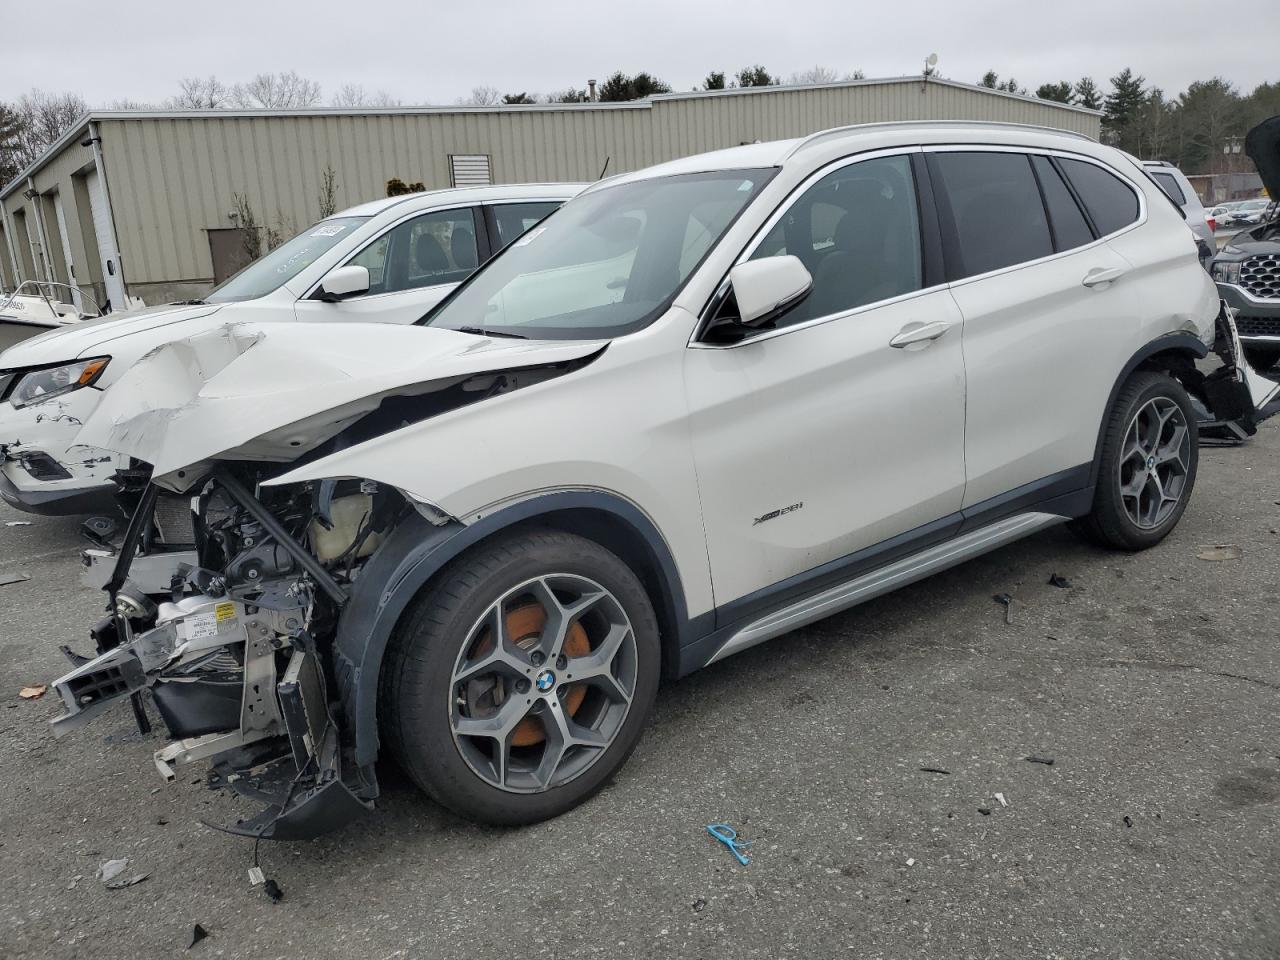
{"x":1169,"y":184}
{"x":1112,"y":204}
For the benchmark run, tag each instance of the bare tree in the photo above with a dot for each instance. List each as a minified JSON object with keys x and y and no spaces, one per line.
{"x":355,"y":95}
{"x":128,"y":103}
{"x":482,"y":97}
{"x":10,"y":137}
{"x":200,"y":93}
{"x":247,"y":220}
{"x":276,"y":91}
{"x":860,"y":74}
{"x":815,"y":74}
{"x":328,"y":192}
{"x":42,"y":119}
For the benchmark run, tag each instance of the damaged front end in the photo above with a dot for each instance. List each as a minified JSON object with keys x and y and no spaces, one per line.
{"x":1236,"y":398}
{"x":230,"y":633}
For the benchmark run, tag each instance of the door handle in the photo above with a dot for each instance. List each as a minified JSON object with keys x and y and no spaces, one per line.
{"x":1100,"y":275}
{"x":919,"y":333}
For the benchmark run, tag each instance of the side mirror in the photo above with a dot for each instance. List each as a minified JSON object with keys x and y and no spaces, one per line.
{"x":767,"y":288}
{"x":343,"y":282}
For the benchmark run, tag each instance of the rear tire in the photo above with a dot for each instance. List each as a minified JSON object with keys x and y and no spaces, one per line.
{"x":1261,"y":359}
{"x":479,"y":700}
{"x":1147,"y":470}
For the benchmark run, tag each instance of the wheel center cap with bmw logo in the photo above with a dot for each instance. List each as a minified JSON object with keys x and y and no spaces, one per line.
{"x":544,"y":681}
{"x":1151,"y":463}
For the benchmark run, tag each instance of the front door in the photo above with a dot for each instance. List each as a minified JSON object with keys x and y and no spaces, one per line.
{"x":412,"y":267}
{"x":821,"y":447}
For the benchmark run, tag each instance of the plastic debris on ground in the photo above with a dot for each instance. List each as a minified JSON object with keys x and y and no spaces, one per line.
{"x":33,"y":692}
{"x":8,"y":578}
{"x":195,"y":935}
{"x":17,"y":523}
{"x":1007,"y":602}
{"x":1221,"y":551}
{"x":729,"y":837}
{"x":1047,"y":761}
{"x":985,"y":811}
{"x":272,"y":890}
{"x":256,"y":876}
{"x":110,"y":869}
{"x":1128,"y":821}
{"x":1003,"y":801}
{"x":1059,"y":581}
{"x":935,"y":770}
{"x":128,"y":882}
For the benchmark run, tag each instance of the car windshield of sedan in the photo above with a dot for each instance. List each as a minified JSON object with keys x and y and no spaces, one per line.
{"x":605,"y":264}
{"x":286,"y":261}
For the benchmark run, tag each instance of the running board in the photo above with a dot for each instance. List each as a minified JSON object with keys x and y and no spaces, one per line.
{"x":898,"y":574}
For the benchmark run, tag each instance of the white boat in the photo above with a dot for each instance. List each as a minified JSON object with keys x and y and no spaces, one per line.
{"x":38,"y":306}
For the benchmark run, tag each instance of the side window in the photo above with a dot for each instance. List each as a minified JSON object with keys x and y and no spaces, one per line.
{"x":1169,"y":184}
{"x":857,"y":231}
{"x":434,"y":248}
{"x":996,"y":216}
{"x":1070,"y":229}
{"x":1111,"y":203}
{"x":513,"y":219}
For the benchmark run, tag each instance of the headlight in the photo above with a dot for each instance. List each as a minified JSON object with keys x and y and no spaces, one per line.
{"x":1227,"y":271}
{"x":55,"y":381}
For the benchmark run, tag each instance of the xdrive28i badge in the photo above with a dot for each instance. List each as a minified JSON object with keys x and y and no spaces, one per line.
{"x":773,"y":514}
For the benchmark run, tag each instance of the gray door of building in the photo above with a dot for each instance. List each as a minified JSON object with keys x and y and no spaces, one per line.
{"x":228,"y":251}
{"x":106,"y":242}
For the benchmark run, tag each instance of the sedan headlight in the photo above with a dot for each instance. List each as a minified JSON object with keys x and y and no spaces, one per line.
{"x":1227,"y":271}
{"x":41,"y":385}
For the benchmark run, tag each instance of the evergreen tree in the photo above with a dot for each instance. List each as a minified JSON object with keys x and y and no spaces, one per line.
{"x":1121,"y":108}
{"x":1059,"y":92}
{"x":1088,"y":94}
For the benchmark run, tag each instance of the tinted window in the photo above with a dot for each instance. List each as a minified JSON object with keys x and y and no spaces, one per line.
{"x":513,"y":219}
{"x":435,"y":248}
{"x":1111,"y":203}
{"x":996,"y":210}
{"x":1070,"y":229}
{"x":1169,"y":185}
{"x":857,"y":232}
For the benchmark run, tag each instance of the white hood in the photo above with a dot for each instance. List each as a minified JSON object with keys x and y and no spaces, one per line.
{"x":94,"y":337}
{"x":273,"y":391}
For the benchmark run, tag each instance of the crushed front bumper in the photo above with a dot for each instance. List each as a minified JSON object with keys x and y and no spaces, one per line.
{"x":239,"y":686}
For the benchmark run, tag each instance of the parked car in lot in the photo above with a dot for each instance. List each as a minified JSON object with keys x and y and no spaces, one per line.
{"x":1248,"y":213}
{"x":1178,"y":189}
{"x":387,"y":261}
{"x":1220,"y":213}
{"x":1248,"y":267}
{"x":698,"y":407}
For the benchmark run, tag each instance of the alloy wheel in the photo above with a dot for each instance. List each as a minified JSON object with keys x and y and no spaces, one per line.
{"x":1154,"y":462}
{"x":543,"y":683}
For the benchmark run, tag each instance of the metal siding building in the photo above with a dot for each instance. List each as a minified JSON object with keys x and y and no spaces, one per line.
{"x":171,"y":177}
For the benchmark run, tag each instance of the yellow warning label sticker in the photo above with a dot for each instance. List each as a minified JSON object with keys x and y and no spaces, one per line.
{"x":225,"y":611}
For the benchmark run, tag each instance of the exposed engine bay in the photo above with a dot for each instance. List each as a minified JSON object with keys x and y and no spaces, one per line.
{"x":231,"y":631}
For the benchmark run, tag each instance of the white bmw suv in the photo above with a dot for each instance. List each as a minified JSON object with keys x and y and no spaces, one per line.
{"x":699,"y":406}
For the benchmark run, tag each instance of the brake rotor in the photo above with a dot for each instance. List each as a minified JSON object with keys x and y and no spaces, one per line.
{"x":524,"y":625}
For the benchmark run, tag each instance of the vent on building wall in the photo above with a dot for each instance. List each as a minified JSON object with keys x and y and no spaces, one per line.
{"x":470,"y":170}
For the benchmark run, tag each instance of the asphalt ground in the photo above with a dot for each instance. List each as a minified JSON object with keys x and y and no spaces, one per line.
{"x":1152,"y":682}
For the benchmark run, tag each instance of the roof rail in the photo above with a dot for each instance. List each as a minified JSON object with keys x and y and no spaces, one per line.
{"x":834,"y":132}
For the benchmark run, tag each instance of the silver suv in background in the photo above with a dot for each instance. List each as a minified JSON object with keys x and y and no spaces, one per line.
{"x":1178,"y":189}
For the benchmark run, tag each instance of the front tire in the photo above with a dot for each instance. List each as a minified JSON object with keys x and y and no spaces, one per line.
{"x":1147,"y":472}
{"x":521,"y":679}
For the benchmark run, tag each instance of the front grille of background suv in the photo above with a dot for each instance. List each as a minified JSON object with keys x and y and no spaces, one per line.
{"x":1261,"y":276}
{"x":1258,"y":326}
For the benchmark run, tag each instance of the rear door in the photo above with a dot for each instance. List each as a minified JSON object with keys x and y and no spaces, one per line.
{"x":1045,"y":310}
{"x":412,"y":267}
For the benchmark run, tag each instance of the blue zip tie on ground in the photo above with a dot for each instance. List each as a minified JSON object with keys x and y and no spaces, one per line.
{"x":729,"y":837}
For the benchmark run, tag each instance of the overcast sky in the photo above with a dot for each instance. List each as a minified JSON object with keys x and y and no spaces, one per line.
{"x":422,"y":52}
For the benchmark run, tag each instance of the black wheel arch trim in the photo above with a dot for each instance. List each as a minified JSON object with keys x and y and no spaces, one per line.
{"x":417,"y":550}
{"x":1182,"y":341}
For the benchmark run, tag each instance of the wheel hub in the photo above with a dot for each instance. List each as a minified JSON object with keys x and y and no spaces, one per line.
{"x":545,"y":681}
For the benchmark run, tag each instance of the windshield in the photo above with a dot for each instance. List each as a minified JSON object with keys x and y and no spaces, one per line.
{"x":605,"y":264}
{"x":286,"y":261}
